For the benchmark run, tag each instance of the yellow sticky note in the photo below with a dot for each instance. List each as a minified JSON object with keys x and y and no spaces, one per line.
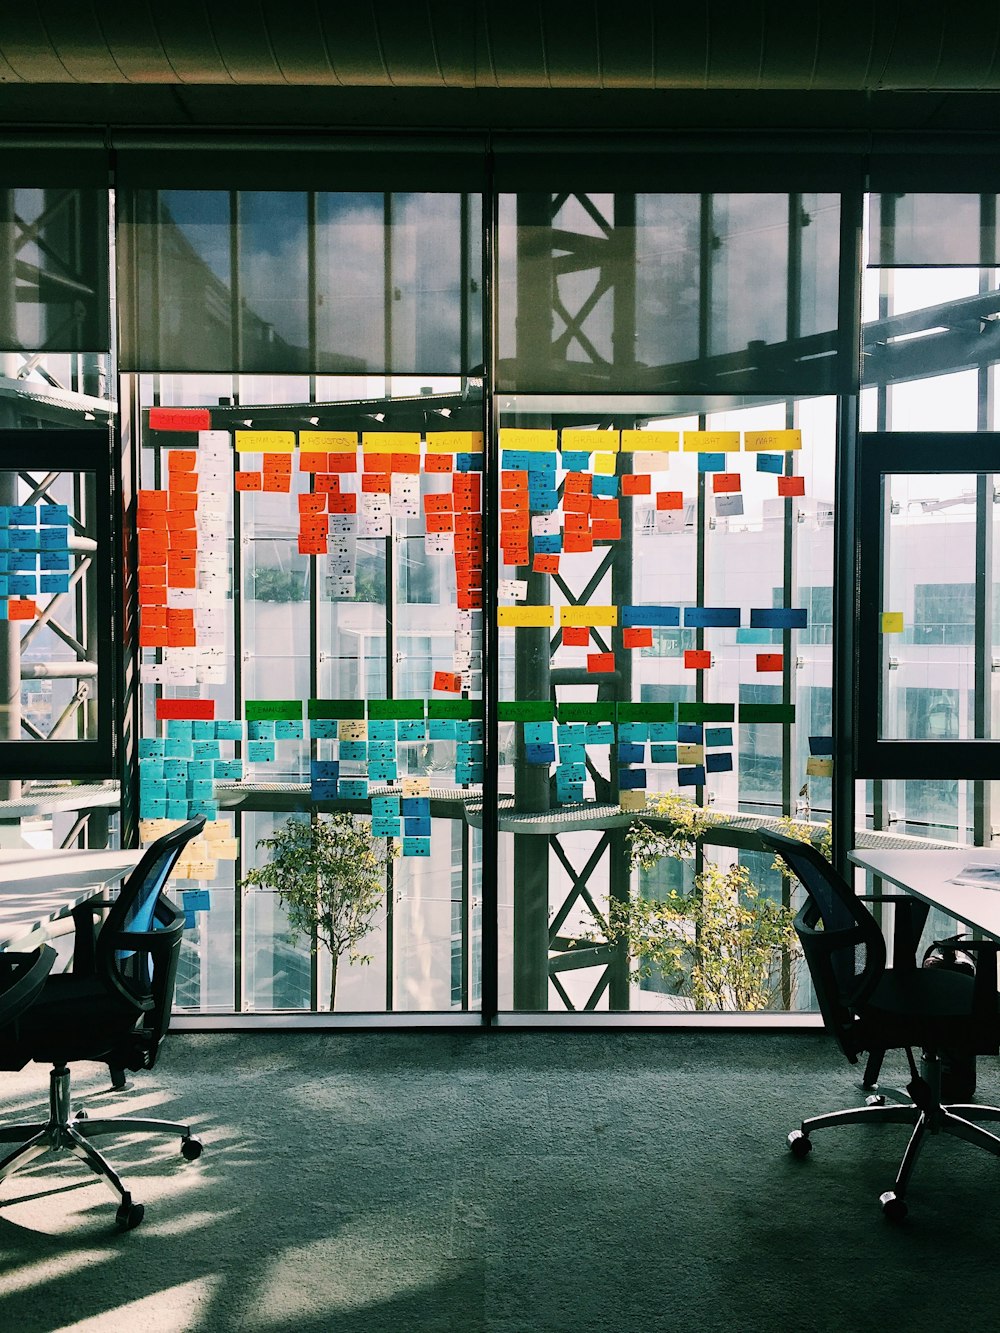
{"x":690,"y":754}
{"x":650,"y":441}
{"x":416,"y":787}
{"x":455,"y":442}
{"x":216,"y":829}
{"x":591,"y":441}
{"x":224,"y":849}
{"x":892,"y":622}
{"x":534,"y":441}
{"x":632,"y":800}
{"x":711,"y":441}
{"x":196,"y":870}
{"x":588,"y":615}
{"x":537,"y":616}
{"x":604,"y":463}
{"x":328,"y":441}
{"x":265,"y":441}
{"x":351,"y":730}
{"x":772,"y":441}
{"x":817,"y":767}
{"x":391,"y":442}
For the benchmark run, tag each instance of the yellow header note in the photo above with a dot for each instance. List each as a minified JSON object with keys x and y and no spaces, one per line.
{"x":591,"y":441}
{"x":538,"y":617}
{"x":711,"y":441}
{"x":455,"y":442}
{"x":391,"y":442}
{"x":533,"y":441}
{"x":265,"y":441}
{"x":328,"y":441}
{"x":650,"y":441}
{"x":588,"y":615}
{"x":772,"y":441}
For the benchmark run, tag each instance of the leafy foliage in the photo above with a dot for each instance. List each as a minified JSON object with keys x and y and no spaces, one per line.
{"x":329,"y":872}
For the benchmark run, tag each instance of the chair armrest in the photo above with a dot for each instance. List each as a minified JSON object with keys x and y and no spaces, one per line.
{"x":29,"y":971}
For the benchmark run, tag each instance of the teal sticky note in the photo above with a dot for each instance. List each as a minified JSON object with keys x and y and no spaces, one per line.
{"x":260,"y":751}
{"x":228,"y":730}
{"x":323,"y":728}
{"x":385,"y":805}
{"x":355,"y":789}
{"x":177,"y":810}
{"x":150,"y":768}
{"x":443,"y":730}
{"x":206,"y":750}
{"x":153,"y":808}
{"x":633,"y":733}
{"x":660,"y":732}
{"x":537,"y":733}
{"x":663,"y":754}
{"x":383,"y":771}
{"x":228,"y":770}
{"x":411,"y":729}
{"x":572,"y":754}
{"x":717,"y":736}
{"x":22,"y":585}
{"x":355,"y":752}
{"x":200,"y":790}
{"x":175,"y":770}
{"x":175,"y":747}
{"x":571,"y":733}
{"x":179,"y":727}
{"x":260,"y":731}
{"x":53,"y":515}
{"x":154,"y":788}
{"x":416,"y":846}
{"x":382,"y":729}
{"x":151,"y":747}
{"x":469,"y":731}
{"x":385,"y":826}
{"x":288,"y":731}
{"x":203,"y":731}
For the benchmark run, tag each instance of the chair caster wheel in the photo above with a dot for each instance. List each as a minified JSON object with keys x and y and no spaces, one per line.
{"x":894,"y":1208}
{"x":129,"y":1214}
{"x":191,"y":1149}
{"x":799,"y":1144}
{"x":876,"y":1099}
{"x":81,"y":1115}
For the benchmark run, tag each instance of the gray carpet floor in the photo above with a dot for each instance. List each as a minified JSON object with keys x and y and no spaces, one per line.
{"x":504,"y":1182}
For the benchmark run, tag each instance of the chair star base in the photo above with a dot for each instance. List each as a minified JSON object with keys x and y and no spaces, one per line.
{"x":64,"y":1132}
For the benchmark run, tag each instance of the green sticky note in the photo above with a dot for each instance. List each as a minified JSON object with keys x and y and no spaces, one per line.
{"x":388,"y":708}
{"x":587,"y":712}
{"x":336,"y":708}
{"x":709,"y":712}
{"x":261,"y":710}
{"x":766,"y":713}
{"x":454,"y":708}
{"x":526,"y":710}
{"x":647,"y":712}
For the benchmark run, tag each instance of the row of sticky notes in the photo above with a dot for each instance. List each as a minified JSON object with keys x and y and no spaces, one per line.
{"x":346,"y":441}
{"x":695,"y":617}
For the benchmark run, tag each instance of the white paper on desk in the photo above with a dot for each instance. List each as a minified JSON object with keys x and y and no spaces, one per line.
{"x":978,"y":875}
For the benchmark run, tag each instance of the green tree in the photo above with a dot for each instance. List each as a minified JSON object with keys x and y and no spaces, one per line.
{"x":329,"y":872}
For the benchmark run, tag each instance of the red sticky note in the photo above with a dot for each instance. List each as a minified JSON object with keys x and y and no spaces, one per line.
{"x":600,"y":662}
{"x":770,"y":661}
{"x":198,"y":710}
{"x":670,"y":499}
{"x":637,"y":637}
{"x":248,"y":481}
{"x":437,"y":463}
{"x":180,"y":418}
{"x":449,"y":681}
{"x":697,"y":659}
{"x":791,"y":485}
{"x":725,"y":482}
{"x":576,"y":636}
{"x":546,"y":564}
{"x":637,"y":484}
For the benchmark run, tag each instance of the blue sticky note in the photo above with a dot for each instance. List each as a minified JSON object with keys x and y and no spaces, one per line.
{"x":413,"y":807}
{"x":633,"y":733}
{"x":712,"y":617}
{"x":4,"y":532}
{"x":631,"y":754}
{"x":770,"y":463}
{"x":4,"y":561}
{"x":821,"y":745}
{"x":411,"y":729}
{"x":23,"y":540}
{"x":650,"y":615}
{"x":323,"y":728}
{"x":288,"y":730}
{"x":689,"y":733}
{"x":23,"y":515}
{"x":22,"y":585}
{"x":716,"y":736}
{"x":663,"y":754}
{"x":537,"y":733}
{"x":228,"y":731}
{"x":691,"y":777}
{"x":385,"y":826}
{"x":22,"y":561}
{"x":442,"y":729}
{"x":540,"y":754}
{"x":417,"y":828}
{"x":719,"y":763}
{"x":228,"y":770}
{"x":324,"y":789}
{"x":416,"y":846}
{"x":260,"y":731}
{"x":54,"y":560}
{"x":602,"y":484}
{"x":576,"y":460}
{"x":631,"y":779}
{"x":52,"y":539}
{"x":196,"y":900}
{"x":56,"y":515}
{"x":355,"y":752}
{"x":325,"y":769}
{"x":353,"y":789}
{"x":790,"y":617}
{"x":549,"y":543}
{"x":3,"y":593}
{"x":711,"y":462}
{"x":260,"y":752}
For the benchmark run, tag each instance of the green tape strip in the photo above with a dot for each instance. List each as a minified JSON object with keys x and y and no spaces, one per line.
{"x":526,"y":710}
{"x":454,"y":708}
{"x":647,"y":712}
{"x":398,"y":708}
{"x":767,"y":713}
{"x":261,"y":710}
{"x":707,"y":712}
{"x":336,"y":708}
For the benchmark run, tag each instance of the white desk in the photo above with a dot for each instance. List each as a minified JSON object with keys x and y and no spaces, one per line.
{"x":37,"y":888}
{"x":926,"y":876}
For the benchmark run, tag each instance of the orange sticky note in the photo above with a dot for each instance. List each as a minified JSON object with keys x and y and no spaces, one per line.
{"x":449,"y":681}
{"x":578,"y":483}
{"x":151,"y":500}
{"x":791,"y":485}
{"x":697,"y":659}
{"x":574,"y":543}
{"x":576,"y":636}
{"x":248,"y":481}
{"x":514,"y":481}
{"x":606,"y":530}
{"x":185,"y":500}
{"x":312,"y":544}
{"x":182,"y":539}
{"x":638,"y":483}
{"x":438,"y":504}
{"x":598,"y":663}
{"x":312,"y":504}
{"x":277,"y":482}
{"x":342,"y":504}
{"x":546,"y":564}
{"x":637,"y":637}
{"x":670,"y":499}
{"x":577,"y":502}
{"x":725,"y":482}
{"x":439,"y":522}
{"x":342,"y":463}
{"x":770,"y":661}
{"x":183,"y":481}
{"x":437,"y":463}
{"x":602,"y":507}
{"x":310,"y":462}
{"x":327,"y":482}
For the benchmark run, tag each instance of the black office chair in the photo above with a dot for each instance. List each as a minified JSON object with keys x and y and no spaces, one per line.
{"x":870,"y":1007}
{"x":113,"y":1007}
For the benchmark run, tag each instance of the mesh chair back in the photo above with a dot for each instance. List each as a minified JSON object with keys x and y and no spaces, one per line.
{"x":842,"y":942}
